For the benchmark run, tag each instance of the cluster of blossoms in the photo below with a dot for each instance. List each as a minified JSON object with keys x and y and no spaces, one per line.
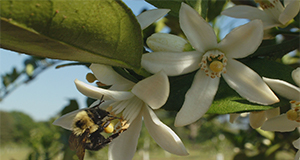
{"x":211,"y":60}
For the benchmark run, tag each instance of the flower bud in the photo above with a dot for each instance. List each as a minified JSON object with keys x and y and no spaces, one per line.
{"x":163,"y":42}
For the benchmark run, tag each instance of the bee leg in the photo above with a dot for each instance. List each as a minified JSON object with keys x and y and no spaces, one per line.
{"x":102,"y":142}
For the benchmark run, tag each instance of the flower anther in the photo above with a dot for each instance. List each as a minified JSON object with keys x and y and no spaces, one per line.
{"x":294,"y":113}
{"x":273,"y":7}
{"x":213,"y":63}
{"x":90,"y":77}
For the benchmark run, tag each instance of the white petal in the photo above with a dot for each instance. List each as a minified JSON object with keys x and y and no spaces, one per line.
{"x":248,"y":84}
{"x":97,"y":93}
{"x":200,"y":34}
{"x":290,"y":11}
{"x":297,"y":155}
{"x":271,"y":113}
{"x":132,"y":109}
{"x":283,"y":88}
{"x":163,"y":42}
{"x":244,"y":11}
{"x":296,"y":143}
{"x":257,"y":119}
{"x":286,"y":2}
{"x":106,"y":74}
{"x":165,"y":137}
{"x":296,"y":76}
{"x":233,"y":117}
{"x":252,"y":13}
{"x":153,"y":90}
{"x":197,"y":99}
{"x":280,"y":123}
{"x":173,"y":63}
{"x":124,"y":146}
{"x":146,"y":18}
{"x":66,"y":120}
{"x":243,"y":40}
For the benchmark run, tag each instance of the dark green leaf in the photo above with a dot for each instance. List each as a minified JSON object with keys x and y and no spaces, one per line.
{"x":277,"y":50}
{"x":103,"y":31}
{"x":215,"y":8}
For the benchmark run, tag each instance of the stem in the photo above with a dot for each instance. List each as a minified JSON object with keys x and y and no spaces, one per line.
{"x":142,"y":72}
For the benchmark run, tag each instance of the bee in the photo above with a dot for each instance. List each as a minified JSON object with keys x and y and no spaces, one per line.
{"x":88,"y":127}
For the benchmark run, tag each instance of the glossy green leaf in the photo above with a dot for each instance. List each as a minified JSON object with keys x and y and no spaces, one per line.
{"x":103,"y":31}
{"x":277,"y":50}
{"x":226,"y":99}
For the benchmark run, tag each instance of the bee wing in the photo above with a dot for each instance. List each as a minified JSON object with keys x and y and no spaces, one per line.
{"x":66,"y":120}
{"x":77,"y":143}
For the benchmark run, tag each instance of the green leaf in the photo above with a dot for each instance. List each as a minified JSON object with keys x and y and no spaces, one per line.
{"x":103,"y":31}
{"x":227,"y":100}
{"x":215,"y":8}
{"x":277,"y":50}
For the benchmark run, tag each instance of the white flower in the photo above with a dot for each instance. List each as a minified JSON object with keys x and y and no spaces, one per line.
{"x":288,"y":121}
{"x":212,"y":59}
{"x":134,"y":105}
{"x":257,"y":118}
{"x":296,"y":144}
{"x":272,"y":14}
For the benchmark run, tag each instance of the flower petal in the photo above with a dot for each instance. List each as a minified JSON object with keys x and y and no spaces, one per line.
{"x":197,"y":99}
{"x":290,"y":11}
{"x":297,"y":155}
{"x":280,"y":123}
{"x":146,"y":18}
{"x":248,"y":84}
{"x":165,"y":137}
{"x":97,"y":93}
{"x":252,"y":13}
{"x":66,"y":120}
{"x":132,"y":109}
{"x":153,"y":90}
{"x":296,"y":76}
{"x":243,"y":40}
{"x":296,"y":143}
{"x":163,"y":42}
{"x":200,"y":34}
{"x":257,"y":119}
{"x":173,"y":63}
{"x":283,"y":88}
{"x":233,"y":117}
{"x":271,"y":113}
{"x":106,"y":74}
{"x":124,"y":146}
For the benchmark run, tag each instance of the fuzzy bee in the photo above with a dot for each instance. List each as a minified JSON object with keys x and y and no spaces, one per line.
{"x":93,"y":129}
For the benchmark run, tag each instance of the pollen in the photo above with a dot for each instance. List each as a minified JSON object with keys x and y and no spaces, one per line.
{"x":109,"y":129}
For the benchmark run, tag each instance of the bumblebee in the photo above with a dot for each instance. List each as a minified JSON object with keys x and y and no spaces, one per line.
{"x":88,"y":127}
